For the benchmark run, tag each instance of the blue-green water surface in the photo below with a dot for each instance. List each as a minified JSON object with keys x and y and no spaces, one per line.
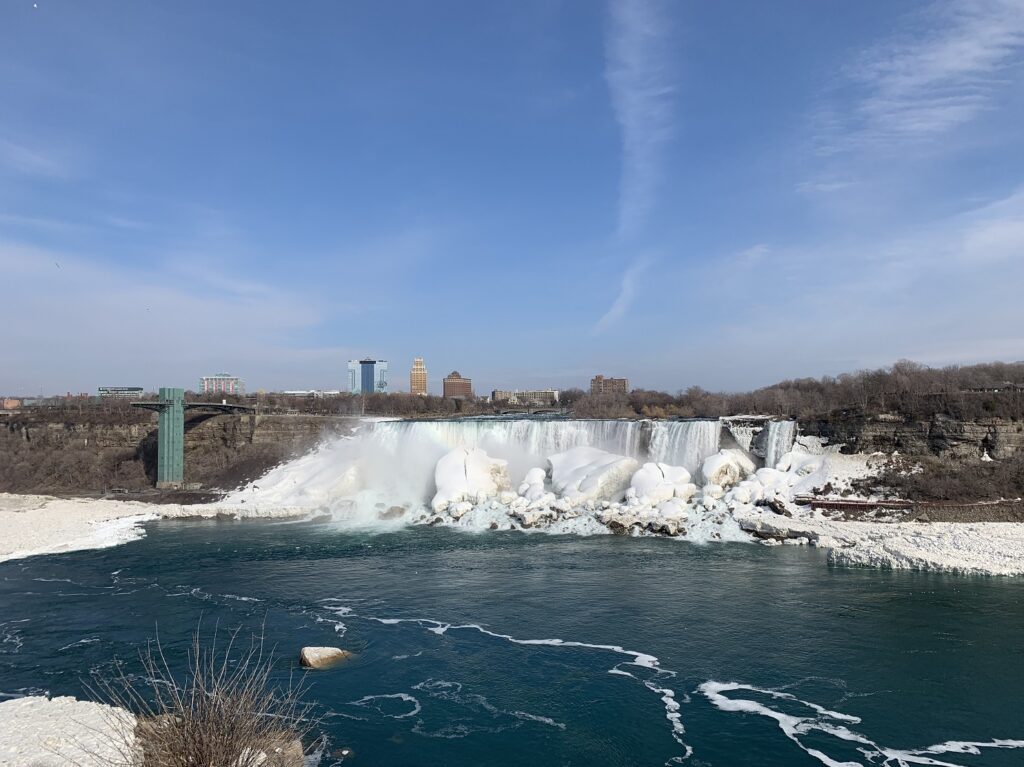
{"x":495,"y":649}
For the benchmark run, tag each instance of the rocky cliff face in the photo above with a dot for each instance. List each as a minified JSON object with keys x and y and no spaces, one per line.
{"x":47,"y":454}
{"x":940,"y":436}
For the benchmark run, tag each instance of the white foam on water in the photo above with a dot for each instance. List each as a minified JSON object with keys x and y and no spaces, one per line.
{"x":367,"y":701}
{"x":453,"y":692}
{"x":825,"y":721}
{"x":638,"y":659}
{"x":537,"y":718}
{"x":241,"y":599}
{"x":79,"y":643}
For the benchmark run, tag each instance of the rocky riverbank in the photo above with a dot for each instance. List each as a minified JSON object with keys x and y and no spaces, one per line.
{"x":101,"y":453}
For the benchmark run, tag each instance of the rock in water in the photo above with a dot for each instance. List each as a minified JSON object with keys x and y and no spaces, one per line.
{"x":322,"y":657}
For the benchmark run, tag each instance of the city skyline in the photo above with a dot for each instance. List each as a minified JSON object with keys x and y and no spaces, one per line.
{"x":686,"y":194}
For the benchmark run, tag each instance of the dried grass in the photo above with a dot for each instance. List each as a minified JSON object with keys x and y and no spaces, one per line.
{"x":225,"y":712}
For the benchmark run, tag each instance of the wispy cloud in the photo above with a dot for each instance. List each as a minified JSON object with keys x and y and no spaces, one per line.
{"x":942,"y":70}
{"x":33,"y":160}
{"x":995,"y":233}
{"x":105,"y":320}
{"x":639,"y":74}
{"x":752,"y":255}
{"x":627,"y":293}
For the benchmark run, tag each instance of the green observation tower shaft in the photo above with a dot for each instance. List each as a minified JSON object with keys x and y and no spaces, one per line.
{"x":170,"y":457}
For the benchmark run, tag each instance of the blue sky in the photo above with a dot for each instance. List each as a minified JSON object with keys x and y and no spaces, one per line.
{"x":684,"y":193}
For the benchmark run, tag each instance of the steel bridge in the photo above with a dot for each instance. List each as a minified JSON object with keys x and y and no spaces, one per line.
{"x":171,"y":407}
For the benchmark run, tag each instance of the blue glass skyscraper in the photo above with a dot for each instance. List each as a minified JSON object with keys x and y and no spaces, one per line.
{"x":368,"y":376}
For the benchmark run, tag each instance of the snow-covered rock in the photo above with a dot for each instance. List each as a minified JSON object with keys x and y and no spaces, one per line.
{"x":468,"y":474}
{"x":322,"y":657}
{"x":583,"y":474}
{"x":656,"y":483}
{"x":726,"y":468}
{"x":532,"y":486}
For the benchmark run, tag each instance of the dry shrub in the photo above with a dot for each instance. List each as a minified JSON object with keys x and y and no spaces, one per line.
{"x":225,"y":712}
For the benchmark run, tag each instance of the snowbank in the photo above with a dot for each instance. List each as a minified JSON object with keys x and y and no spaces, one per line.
{"x":588,"y":474}
{"x":468,"y":475}
{"x":726,"y":468}
{"x":32,"y":525}
{"x":656,"y":483}
{"x":984,"y":548}
{"x":58,"y":732}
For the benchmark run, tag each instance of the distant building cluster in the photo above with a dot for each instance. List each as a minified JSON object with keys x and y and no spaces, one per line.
{"x":530,"y":398}
{"x":601,"y":385}
{"x":368,"y":376}
{"x":365,"y":376}
{"x":221,"y":383}
{"x":455,"y":386}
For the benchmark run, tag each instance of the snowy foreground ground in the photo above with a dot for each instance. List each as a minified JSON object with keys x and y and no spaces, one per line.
{"x":58,"y":732}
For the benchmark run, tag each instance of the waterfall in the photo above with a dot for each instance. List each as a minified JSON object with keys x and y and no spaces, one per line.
{"x":684,"y":443}
{"x":535,"y":436}
{"x":530,"y":441}
{"x":781,"y":435}
{"x":392,"y":462}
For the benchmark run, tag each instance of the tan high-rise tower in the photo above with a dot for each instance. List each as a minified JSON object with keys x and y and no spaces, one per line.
{"x":418,"y":377}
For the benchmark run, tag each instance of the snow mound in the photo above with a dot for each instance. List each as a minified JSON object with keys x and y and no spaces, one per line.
{"x":726,"y":468}
{"x":584,"y":474}
{"x":656,"y":483}
{"x":532,"y":486}
{"x":467,"y":476}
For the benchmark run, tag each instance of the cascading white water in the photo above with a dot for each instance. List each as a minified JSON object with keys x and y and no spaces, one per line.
{"x":392,"y":463}
{"x":781,"y":435}
{"x":684,"y":443}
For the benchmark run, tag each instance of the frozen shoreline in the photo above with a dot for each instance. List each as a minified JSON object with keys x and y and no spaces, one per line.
{"x":32,"y":525}
{"x":56,"y":732}
{"x":39,"y":525}
{"x":979,"y":548}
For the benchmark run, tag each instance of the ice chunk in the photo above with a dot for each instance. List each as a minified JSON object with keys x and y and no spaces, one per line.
{"x":584,"y":474}
{"x":656,"y":483}
{"x":532,"y":487}
{"x":468,"y":474}
{"x":726,"y":468}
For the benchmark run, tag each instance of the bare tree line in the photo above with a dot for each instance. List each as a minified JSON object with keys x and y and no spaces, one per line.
{"x":907,"y":389}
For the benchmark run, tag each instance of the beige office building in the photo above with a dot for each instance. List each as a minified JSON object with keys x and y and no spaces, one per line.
{"x":418,"y":377}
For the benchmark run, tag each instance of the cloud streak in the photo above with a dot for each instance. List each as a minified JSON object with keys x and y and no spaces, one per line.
{"x":32,"y":161}
{"x":931,"y":77}
{"x":106,"y":323}
{"x":625,"y":298}
{"x":639,"y":75}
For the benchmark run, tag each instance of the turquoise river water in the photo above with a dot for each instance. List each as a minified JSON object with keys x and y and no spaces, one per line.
{"x":516,"y":649}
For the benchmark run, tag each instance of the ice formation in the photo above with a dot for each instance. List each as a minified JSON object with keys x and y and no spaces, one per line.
{"x":589,"y":474}
{"x":468,"y":475}
{"x":630,"y":477}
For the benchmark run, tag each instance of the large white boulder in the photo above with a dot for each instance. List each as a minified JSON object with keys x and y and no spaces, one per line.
{"x":532,"y":486}
{"x":583,"y":474}
{"x":322,"y":657}
{"x":656,"y":483}
{"x":468,"y":474}
{"x":726,"y":468}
